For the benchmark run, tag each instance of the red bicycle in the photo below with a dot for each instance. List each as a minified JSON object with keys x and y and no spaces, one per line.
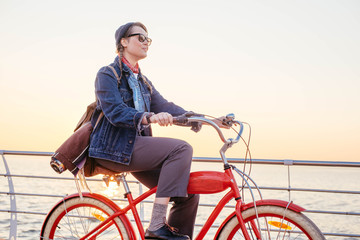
{"x":93,"y":216}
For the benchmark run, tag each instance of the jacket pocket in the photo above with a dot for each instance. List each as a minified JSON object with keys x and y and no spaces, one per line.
{"x":127,"y":96}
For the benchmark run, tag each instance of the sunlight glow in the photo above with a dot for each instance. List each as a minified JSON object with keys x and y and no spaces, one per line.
{"x":289,"y":68}
{"x":112,"y":190}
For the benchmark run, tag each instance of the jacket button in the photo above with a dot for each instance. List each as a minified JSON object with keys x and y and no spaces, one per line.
{"x":130,"y":141}
{"x":126,"y":160}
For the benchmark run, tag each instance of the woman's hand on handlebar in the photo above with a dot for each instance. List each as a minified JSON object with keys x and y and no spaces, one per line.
{"x":166,"y":119}
{"x":163,"y":119}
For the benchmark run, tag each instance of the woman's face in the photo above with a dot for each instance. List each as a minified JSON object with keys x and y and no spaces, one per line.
{"x":133,"y":48}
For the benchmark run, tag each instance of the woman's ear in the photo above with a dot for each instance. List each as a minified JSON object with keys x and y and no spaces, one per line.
{"x":124,"y":42}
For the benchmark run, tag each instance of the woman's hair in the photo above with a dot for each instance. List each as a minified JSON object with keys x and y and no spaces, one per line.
{"x":120,"y":50}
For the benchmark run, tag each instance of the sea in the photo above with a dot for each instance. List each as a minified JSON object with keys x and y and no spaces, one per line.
{"x":278,"y":176}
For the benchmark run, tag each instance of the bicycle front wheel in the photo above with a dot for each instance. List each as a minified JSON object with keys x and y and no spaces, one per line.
{"x":275,"y":223}
{"x":74,"y":218}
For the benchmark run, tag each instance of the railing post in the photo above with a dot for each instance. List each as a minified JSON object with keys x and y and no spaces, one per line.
{"x":288,"y":163}
{"x":13,"y":215}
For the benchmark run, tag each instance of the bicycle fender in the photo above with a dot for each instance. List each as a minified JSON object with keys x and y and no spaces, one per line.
{"x":99,"y":197}
{"x":272,"y":202}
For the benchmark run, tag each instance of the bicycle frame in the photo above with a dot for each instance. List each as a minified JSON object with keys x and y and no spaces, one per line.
{"x":198,"y":184}
{"x":202,"y":182}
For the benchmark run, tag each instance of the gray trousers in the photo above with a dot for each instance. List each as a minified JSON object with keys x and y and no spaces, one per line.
{"x":164,"y":162}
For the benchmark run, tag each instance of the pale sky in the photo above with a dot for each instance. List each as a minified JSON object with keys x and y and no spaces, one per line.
{"x":289,"y":68}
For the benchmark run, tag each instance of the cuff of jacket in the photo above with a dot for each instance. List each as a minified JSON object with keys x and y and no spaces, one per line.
{"x":140,"y":127}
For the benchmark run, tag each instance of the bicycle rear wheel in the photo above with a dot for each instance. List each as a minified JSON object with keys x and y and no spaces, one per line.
{"x":74,"y":218}
{"x":275,"y":223}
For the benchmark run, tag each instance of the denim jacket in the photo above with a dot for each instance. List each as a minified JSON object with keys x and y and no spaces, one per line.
{"x":115,"y":135}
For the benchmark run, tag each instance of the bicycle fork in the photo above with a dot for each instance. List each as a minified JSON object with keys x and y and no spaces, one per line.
{"x":242,"y":223}
{"x":238,"y":209}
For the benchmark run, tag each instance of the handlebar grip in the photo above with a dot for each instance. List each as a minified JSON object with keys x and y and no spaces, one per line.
{"x":180,"y":120}
{"x":183,"y":119}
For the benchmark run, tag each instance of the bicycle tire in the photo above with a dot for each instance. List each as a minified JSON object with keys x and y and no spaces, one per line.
{"x":275,"y":223}
{"x":74,"y":218}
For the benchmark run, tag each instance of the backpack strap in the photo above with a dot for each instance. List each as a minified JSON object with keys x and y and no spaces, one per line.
{"x":98,"y":120}
{"x":86,"y":116}
{"x":91,"y":108}
{"x":116,"y":74}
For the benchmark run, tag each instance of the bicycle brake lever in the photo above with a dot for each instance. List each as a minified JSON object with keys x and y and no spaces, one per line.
{"x":229,"y":119}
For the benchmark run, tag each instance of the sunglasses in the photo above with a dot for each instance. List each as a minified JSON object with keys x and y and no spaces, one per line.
{"x":142,"y":38}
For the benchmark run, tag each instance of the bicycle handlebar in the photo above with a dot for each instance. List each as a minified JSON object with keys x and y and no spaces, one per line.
{"x":189,"y":118}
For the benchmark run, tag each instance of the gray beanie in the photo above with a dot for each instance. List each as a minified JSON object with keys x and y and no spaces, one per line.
{"x":120,"y":32}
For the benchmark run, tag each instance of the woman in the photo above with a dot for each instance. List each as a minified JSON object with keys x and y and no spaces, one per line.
{"x":122,"y":141}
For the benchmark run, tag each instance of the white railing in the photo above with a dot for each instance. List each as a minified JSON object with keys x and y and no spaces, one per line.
{"x":13,"y":210}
